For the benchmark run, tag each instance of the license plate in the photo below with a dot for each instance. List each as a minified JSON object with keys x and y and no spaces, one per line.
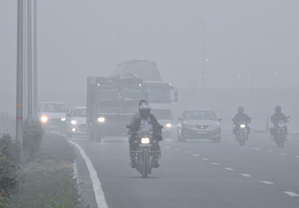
{"x":202,"y":132}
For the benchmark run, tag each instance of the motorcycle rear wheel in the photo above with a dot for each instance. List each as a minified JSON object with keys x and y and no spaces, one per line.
{"x":144,"y":164}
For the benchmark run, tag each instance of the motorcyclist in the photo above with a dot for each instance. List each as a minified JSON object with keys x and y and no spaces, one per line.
{"x":144,"y":121}
{"x":278,"y":116}
{"x":241,"y":116}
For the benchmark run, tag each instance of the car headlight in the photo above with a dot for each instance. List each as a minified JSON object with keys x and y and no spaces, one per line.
{"x":44,"y":119}
{"x":74,"y":122}
{"x":63,"y":119}
{"x":101,"y":119}
{"x":215,"y":126}
{"x":168,"y":125}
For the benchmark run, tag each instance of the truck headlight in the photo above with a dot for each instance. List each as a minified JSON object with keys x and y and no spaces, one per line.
{"x":44,"y":119}
{"x":74,"y":122}
{"x":168,"y":125}
{"x":101,"y":119}
{"x":63,"y":119}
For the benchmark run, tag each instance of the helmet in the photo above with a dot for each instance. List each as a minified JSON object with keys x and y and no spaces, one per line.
{"x":144,"y":109}
{"x":278,"y":109}
{"x":241,"y":109}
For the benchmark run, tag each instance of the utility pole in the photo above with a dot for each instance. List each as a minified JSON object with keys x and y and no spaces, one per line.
{"x":29,"y":56}
{"x":19,"y":109}
{"x":203,"y":55}
{"x":35,"y":58}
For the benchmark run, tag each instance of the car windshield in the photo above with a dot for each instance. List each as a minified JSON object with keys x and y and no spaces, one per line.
{"x":79,"y":113}
{"x":52,"y":107}
{"x":205,"y":115}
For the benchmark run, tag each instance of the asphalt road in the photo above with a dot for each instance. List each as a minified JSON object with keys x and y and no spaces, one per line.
{"x":197,"y":173}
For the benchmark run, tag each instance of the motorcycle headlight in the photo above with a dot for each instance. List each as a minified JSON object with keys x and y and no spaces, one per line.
{"x":63,"y":119}
{"x":101,"y":119}
{"x":242,"y":126}
{"x":145,"y":140}
{"x":44,"y":119}
{"x":168,"y":125}
{"x":74,"y":122}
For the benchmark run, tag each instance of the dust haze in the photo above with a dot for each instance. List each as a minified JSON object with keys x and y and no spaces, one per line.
{"x":218,"y":54}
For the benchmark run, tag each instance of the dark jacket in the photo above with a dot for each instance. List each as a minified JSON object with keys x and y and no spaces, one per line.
{"x":277,"y":117}
{"x":241,"y":117}
{"x":135,"y":125}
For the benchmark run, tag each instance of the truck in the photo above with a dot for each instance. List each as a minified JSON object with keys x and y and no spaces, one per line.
{"x":111,"y":103}
{"x":159,"y":94}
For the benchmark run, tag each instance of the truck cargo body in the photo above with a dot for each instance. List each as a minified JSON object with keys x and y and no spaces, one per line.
{"x":111,"y":104}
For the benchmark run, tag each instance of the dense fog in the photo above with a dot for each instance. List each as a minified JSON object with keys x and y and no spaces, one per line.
{"x":247,"y":51}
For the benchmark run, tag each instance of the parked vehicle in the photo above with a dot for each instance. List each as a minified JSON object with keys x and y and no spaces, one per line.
{"x":199,"y":123}
{"x":76,"y":122}
{"x":280,"y":132}
{"x":53,"y":116}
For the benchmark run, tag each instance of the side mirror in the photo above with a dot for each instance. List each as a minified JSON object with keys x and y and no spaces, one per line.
{"x":175,"y":96}
{"x":180,"y":118}
{"x":219,"y":119}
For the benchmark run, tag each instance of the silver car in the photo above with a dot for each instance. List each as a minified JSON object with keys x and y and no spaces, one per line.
{"x":76,"y":122}
{"x":199,"y":123}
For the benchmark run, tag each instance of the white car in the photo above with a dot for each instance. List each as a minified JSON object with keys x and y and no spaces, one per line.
{"x":52,"y":116}
{"x":76,"y":122}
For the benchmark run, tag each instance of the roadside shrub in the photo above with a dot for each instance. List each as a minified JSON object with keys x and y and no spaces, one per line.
{"x":32,"y":138}
{"x":9,"y":164}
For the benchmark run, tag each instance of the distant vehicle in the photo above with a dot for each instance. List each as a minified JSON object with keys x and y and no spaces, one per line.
{"x":160,"y":95}
{"x":199,"y":124}
{"x":53,"y":116}
{"x":76,"y":122}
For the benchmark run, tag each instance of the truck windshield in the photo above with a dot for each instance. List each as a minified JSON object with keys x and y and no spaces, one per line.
{"x":124,"y":94}
{"x":159,"y":95}
{"x":52,"y":107}
{"x":79,"y":113}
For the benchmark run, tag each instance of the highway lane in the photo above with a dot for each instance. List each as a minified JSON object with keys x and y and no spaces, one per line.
{"x":199,"y":173}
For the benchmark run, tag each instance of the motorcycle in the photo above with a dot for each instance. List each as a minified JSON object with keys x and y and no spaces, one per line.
{"x":145,"y":157}
{"x":241,"y":131}
{"x":279,"y":132}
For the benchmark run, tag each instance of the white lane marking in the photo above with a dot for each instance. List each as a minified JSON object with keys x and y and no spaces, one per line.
{"x":246,"y":175}
{"x":256,"y":148}
{"x":167,"y":147}
{"x":290,"y":193}
{"x":186,"y":151}
{"x":283,"y":153}
{"x":215,"y":163}
{"x":297,"y":156}
{"x":266,"y":182}
{"x":269,"y":150}
{"x":176,"y":149}
{"x":99,"y":194}
{"x":230,"y":169}
{"x":205,"y":158}
{"x":195,"y":155}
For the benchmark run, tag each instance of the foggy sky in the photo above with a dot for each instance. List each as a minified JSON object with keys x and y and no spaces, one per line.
{"x":77,"y":39}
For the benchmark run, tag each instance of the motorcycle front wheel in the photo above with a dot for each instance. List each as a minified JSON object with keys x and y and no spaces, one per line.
{"x":144,"y":164}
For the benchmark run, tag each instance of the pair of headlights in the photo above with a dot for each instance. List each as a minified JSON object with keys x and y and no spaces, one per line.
{"x":45,"y":119}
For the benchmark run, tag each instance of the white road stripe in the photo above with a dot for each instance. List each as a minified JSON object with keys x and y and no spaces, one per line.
{"x":99,"y":194}
{"x":283,"y":153}
{"x":290,"y":193}
{"x":269,"y":150}
{"x":215,"y":163}
{"x":297,"y":156}
{"x":176,"y":149}
{"x":195,"y":155}
{"x":246,"y":175}
{"x":167,"y":147}
{"x":266,"y":182}
{"x":186,"y":151}
{"x":205,"y":158}
{"x":256,"y":148}
{"x":230,"y":169}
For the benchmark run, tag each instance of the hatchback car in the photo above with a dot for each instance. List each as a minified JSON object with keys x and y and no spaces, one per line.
{"x":199,"y":124}
{"x":76,"y":122}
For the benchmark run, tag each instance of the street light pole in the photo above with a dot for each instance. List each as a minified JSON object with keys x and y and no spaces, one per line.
{"x":203,"y":55}
{"x":35,"y":58}
{"x":29,"y":81}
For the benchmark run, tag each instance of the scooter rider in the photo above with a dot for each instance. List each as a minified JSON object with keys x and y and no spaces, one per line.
{"x":241,"y":116}
{"x":278,"y":116}
{"x":144,"y":121}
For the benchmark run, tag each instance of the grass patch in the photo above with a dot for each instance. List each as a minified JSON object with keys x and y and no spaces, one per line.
{"x":47,"y":180}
